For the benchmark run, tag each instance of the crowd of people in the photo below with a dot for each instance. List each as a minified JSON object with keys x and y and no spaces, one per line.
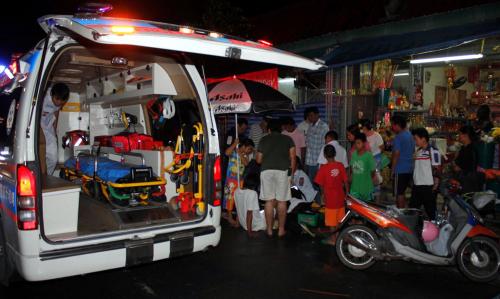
{"x":284,"y":165}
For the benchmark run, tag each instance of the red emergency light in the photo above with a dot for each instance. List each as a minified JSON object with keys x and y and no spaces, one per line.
{"x":265,"y":42}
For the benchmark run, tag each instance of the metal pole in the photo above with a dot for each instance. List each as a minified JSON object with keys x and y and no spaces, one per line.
{"x":237,"y":146}
{"x":345,"y":101}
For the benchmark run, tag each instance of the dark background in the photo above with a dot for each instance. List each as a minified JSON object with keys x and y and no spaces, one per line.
{"x":279,"y":21}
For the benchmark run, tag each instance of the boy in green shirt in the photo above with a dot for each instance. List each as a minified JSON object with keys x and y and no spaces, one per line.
{"x":362,"y":170}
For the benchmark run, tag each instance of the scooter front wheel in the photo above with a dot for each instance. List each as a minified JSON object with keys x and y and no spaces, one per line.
{"x":349,"y":247}
{"x":478,"y":259}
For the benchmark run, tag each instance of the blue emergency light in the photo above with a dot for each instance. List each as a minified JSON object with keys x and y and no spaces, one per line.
{"x":95,"y":8}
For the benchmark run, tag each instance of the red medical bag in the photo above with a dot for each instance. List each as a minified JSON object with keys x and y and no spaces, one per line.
{"x":103,"y":140}
{"x":126,"y":142}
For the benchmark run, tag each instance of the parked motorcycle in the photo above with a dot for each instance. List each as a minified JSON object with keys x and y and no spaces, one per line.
{"x":459,"y":238}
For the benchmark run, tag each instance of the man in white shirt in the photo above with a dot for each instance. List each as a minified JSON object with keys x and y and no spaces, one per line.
{"x":425,"y":179}
{"x":297,"y":136}
{"x":257,"y":131}
{"x":374,"y":139}
{"x":304,"y":125}
{"x":331,"y":138}
{"x":55,"y":98}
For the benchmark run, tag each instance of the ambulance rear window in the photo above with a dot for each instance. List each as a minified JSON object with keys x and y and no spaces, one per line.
{"x":9,"y":104}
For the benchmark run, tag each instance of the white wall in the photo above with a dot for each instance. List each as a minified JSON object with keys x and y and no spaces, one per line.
{"x":438,"y":78}
{"x":287,"y":87}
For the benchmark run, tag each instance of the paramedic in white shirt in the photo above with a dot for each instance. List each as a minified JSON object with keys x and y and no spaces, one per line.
{"x":301,"y":181}
{"x":341,"y":154}
{"x":55,"y":98}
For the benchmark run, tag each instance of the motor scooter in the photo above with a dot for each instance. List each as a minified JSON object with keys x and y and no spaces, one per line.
{"x":370,"y":233}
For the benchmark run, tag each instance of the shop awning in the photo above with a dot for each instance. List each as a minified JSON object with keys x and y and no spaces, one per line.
{"x":394,"y":46}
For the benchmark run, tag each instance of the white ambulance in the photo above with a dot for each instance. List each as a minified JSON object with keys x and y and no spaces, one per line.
{"x":119,"y":71}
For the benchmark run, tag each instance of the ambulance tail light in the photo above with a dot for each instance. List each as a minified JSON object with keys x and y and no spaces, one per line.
{"x":218,"y":182}
{"x":26,"y":199}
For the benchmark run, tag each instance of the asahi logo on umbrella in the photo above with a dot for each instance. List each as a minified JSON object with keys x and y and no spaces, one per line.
{"x":225,"y":97}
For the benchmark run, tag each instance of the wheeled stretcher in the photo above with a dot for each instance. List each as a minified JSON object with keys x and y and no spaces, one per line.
{"x":119,"y":183}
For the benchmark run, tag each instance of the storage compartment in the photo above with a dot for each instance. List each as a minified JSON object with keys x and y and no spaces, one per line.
{"x":127,"y":177}
{"x":60,"y":205}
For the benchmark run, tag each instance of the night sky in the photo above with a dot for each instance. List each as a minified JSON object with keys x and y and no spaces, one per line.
{"x":277,"y":20}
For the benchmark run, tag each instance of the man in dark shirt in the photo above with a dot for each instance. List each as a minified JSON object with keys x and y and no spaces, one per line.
{"x":466,"y":162}
{"x":276,"y":154}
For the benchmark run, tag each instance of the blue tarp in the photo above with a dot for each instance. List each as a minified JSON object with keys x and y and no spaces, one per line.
{"x":107,"y":170}
{"x":394,"y":46}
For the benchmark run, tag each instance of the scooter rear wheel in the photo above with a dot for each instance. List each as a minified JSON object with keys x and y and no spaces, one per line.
{"x":352,"y":256}
{"x":478,"y":259}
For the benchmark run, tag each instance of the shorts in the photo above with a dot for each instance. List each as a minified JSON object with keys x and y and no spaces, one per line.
{"x":401,"y":183}
{"x":275,"y":184}
{"x":334,"y":216}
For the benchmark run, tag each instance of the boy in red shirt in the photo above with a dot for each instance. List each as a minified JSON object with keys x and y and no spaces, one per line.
{"x":332,"y":178}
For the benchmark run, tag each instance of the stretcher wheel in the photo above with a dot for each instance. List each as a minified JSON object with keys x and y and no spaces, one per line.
{"x":174,"y":204}
{"x":184,"y":179}
{"x":62,"y":174}
{"x":174,"y":177}
{"x":200,"y":209}
{"x":161,"y":198}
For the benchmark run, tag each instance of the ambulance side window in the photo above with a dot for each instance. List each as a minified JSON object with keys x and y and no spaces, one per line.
{"x":9,"y":104}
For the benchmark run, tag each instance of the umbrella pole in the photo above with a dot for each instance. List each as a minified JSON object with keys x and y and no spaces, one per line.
{"x":237,"y":147}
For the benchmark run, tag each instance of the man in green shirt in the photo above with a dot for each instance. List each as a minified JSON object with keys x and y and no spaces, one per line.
{"x":276,"y":154}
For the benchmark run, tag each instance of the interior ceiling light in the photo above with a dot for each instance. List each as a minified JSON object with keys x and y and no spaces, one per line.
{"x":214,"y":34}
{"x":70,"y":71}
{"x":186,"y":30}
{"x":67,"y":80}
{"x":446,"y":58}
{"x":122,"y":29}
{"x":401,"y":74}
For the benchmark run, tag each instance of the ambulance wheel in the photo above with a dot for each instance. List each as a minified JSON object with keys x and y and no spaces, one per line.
{"x":6,"y":268}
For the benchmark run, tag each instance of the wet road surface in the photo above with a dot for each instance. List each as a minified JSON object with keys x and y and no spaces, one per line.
{"x":296,"y":267}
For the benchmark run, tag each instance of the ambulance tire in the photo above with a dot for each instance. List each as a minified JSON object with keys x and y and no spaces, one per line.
{"x":7,"y":271}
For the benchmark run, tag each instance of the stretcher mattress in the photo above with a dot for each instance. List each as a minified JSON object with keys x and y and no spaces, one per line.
{"x":107,"y":170}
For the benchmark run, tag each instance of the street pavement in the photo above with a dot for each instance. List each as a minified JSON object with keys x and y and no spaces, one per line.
{"x":295,"y":267}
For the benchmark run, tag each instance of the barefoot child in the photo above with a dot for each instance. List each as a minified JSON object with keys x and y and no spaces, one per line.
{"x":332,"y":179}
{"x":362,"y":170}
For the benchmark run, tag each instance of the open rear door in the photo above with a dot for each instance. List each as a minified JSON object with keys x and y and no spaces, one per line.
{"x":175,"y":38}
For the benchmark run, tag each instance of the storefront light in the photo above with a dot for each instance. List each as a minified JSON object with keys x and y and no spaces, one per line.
{"x":446,"y":58}
{"x":286,"y":80}
{"x":401,"y":74}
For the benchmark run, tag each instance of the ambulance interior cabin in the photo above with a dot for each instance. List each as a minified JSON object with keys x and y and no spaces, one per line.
{"x":130,"y":146}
